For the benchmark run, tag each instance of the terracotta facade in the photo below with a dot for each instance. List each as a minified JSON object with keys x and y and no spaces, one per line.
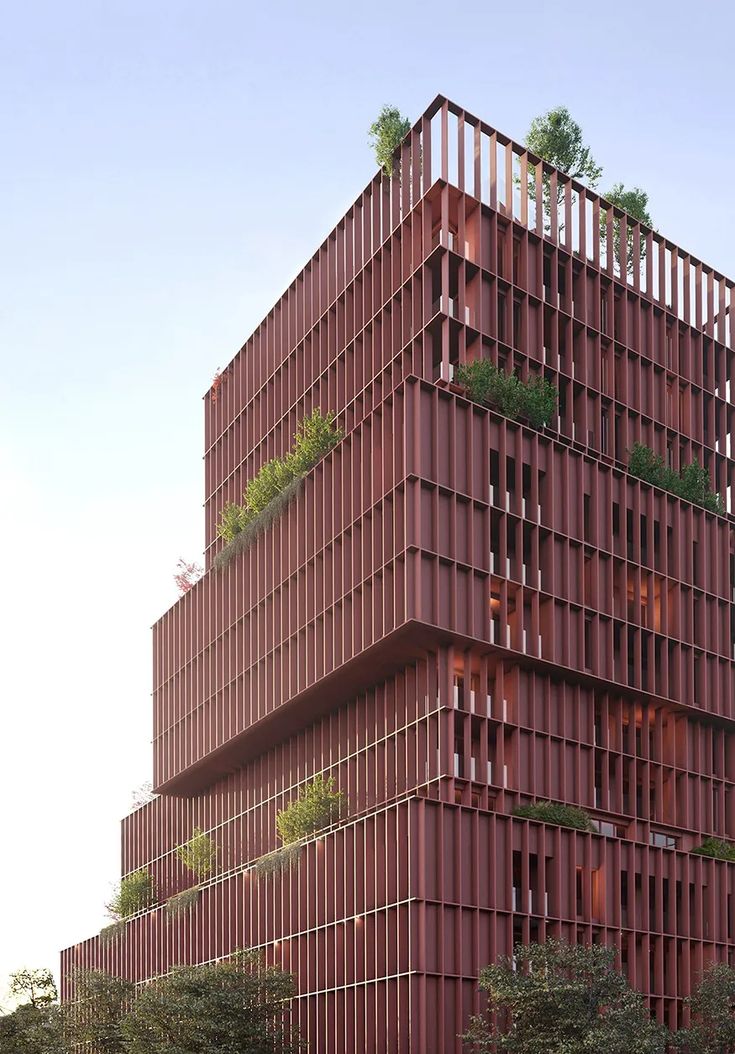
{"x":458,"y":613}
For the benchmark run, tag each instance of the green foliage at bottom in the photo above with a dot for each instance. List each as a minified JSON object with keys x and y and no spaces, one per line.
{"x":239,"y":1005}
{"x":559,"y":998}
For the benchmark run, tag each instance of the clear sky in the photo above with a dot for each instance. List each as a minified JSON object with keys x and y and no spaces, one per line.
{"x":167,"y":168}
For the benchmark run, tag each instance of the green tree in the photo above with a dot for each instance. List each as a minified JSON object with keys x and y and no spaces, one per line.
{"x":31,"y":1030}
{"x":136,"y":892}
{"x":557,"y":138}
{"x":635,"y":203}
{"x":385,"y":134}
{"x":713,"y":1026}
{"x":559,"y":998}
{"x":317,"y":806}
{"x":95,"y":1015}
{"x":227,"y":1007}
{"x":35,"y":987}
{"x":34,"y":1026}
{"x":198,"y":854}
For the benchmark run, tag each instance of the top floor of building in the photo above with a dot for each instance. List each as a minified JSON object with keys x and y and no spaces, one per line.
{"x":477,"y":248}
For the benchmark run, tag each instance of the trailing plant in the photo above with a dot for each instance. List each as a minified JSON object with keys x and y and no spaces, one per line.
{"x":693,"y":483}
{"x":109,"y":934}
{"x":534,"y":400}
{"x":317,"y":806}
{"x":717,"y":848}
{"x":560,"y":815}
{"x":198,"y":854}
{"x":180,"y":903}
{"x":280,"y":860}
{"x":254,"y":527}
{"x":277,"y":482}
{"x":135,"y":893}
{"x":386,"y":133}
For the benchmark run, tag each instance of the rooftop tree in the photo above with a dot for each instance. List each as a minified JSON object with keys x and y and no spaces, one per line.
{"x":386,"y":133}
{"x":557,"y":138}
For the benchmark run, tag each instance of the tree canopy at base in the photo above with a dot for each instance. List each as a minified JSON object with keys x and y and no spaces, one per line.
{"x":559,"y":998}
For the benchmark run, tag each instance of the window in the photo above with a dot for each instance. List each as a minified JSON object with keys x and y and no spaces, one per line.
{"x":662,"y":840}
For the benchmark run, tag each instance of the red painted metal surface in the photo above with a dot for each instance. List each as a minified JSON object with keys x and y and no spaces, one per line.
{"x":458,"y":613}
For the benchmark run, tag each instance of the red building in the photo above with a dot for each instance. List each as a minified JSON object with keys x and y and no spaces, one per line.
{"x":459,"y":613}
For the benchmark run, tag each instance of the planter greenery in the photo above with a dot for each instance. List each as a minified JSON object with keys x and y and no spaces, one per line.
{"x":279,"y":860}
{"x":717,"y":848}
{"x":109,"y":934}
{"x":275,"y":485}
{"x":560,"y":815}
{"x":180,"y":903}
{"x":198,"y":855}
{"x":693,"y":484}
{"x":317,"y":806}
{"x":534,"y":400}
{"x":386,"y":133}
{"x":135,"y":893}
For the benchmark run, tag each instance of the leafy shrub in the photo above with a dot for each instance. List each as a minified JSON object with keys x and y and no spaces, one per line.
{"x":232,"y":520}
{"x":539,"y":401}
{"x":198,"y":854}
{"x":279,"y":860}
{"x":315,"y":436}
{"x":135,"y":893}
{"x":552,"y":812}
{"x":317,"y":806}
{"x":693,"y":484}
{"x":386,"y":133}
{"x":535,"y":399}
{"x":180,"y":903}
{"x":717,"y":848}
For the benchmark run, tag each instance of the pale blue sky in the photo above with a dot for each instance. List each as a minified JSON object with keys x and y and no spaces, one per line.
{"x":167,"y":167}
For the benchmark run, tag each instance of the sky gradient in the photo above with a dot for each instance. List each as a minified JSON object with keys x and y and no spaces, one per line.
{"x":168,"y":167}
